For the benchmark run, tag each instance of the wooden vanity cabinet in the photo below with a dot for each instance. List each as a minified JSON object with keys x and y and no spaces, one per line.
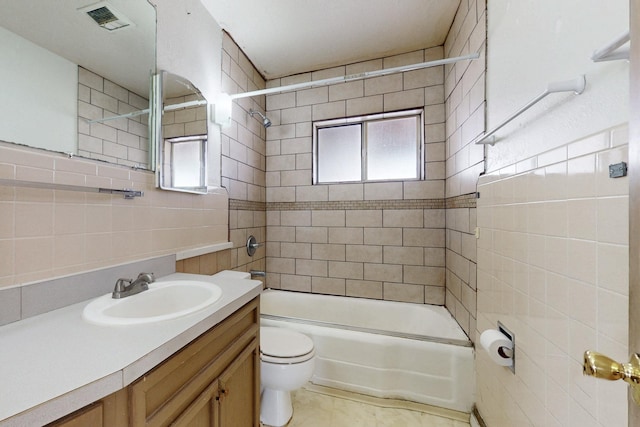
{"x":109,"y":411}
{"x":213,"y":381}
{"x":227,"y":401}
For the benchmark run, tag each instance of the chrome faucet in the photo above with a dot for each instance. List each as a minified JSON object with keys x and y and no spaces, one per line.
{"x":122,"y":290}
{"x":257,"y":273}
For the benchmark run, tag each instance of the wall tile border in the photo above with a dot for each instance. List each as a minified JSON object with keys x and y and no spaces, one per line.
{"x":358,"y":205}
{"x":246,"y":205}
{"x":463,"y":201}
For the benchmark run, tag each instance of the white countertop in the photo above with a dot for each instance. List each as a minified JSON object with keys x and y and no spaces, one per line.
{"x":55,"y":363}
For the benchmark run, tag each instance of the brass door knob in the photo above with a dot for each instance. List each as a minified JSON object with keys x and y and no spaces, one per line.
{"x":601,"y":366}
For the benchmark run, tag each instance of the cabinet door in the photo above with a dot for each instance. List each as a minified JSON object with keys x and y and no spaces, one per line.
{"x":203,"y":412}
{"x":240,"y":390}
{"x":163,"y":394}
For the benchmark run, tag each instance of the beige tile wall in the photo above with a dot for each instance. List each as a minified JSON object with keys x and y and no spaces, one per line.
{"x":378,"y":240}
{"x":49,"y":233}
{"x":243,"y":159}
{"x":465,"y":98}
{"x":207,"y":264}
{"x":461,"y":261}
{"x":553,"y":267}
{"x":394,"y":254}
{"x":464,"y":111}
{"x":122,"y":141}
{"x":184,"y":121}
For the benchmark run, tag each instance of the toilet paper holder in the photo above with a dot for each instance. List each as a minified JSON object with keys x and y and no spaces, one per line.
{"x":510,"y":353}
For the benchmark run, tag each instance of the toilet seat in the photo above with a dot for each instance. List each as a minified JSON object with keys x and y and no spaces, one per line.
{"x":283,"y":346}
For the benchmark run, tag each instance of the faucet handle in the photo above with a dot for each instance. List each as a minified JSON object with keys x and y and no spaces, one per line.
{"x":252,"y":245}
{"x":148,"y":277}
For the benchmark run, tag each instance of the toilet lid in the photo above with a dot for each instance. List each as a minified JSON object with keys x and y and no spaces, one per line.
{"x":280,"y":342}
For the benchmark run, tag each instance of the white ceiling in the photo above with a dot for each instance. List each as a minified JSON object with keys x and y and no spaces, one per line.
{"x":125,"y":56}
{"x":280,"y":37}
{"x":285,"y":37}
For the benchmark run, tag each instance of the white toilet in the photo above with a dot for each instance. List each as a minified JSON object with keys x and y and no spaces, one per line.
{"x":286,"y":364}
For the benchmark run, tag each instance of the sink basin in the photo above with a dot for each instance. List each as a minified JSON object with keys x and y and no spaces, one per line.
{"x":163,"y":301}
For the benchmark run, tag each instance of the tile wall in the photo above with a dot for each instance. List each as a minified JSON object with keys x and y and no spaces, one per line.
{"x":465,"y":98}
{"x":378,"y":240}
{"x":184,"y":121}
{"x":123,"y":141}
{"x":553,"y":267}
{"x":48,"y":233}
{"x":464,"y":112}
{"x":243,"y":159}
{"x":461,"y":257}
{"x":207,"y":264}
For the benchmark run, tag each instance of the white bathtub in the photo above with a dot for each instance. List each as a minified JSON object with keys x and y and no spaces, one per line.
{"x":380,"y":348}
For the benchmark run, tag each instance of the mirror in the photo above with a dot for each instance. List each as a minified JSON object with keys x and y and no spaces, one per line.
{"x":67,"y":65}
{"x":182,"y":137}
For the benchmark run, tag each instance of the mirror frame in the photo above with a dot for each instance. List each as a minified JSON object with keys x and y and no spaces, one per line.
{"x":157,"y":153}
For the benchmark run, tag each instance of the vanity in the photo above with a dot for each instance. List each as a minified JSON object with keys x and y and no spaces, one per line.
{"x":101,"y":129}
{"x":198,"y":369}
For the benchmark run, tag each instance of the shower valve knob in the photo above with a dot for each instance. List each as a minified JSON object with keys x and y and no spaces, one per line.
{"x":252,"y":245}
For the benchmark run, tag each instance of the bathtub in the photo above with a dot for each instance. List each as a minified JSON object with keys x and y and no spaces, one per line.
{"x":380,"y":348}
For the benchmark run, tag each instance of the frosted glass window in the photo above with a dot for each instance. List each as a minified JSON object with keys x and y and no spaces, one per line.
{"x":377,"y":147}
{"x":392,"y":149}
{"x":184,"y":153}
{"x":339,"y":152}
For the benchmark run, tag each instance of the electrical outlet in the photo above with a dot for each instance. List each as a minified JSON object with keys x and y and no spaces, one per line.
{"x":618,"y":170}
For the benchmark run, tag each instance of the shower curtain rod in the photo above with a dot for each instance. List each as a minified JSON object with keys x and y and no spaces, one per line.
{"x":146,"y":111}
{"x":322,"y":82}
{"x":352,"y":77}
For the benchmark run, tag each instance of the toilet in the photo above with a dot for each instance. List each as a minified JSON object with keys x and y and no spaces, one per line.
{"x":286,"y":364}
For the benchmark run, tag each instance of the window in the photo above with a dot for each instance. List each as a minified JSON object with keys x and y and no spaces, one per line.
{"x":181,"y":154}
{"x":380,"y":147}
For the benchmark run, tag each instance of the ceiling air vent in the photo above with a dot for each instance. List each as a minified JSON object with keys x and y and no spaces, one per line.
{"x":106,"y":16}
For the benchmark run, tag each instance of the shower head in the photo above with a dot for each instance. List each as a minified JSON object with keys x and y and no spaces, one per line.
{"x":265,"y":120}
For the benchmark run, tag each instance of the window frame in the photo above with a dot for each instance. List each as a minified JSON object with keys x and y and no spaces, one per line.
{"x":169,"y":145}
{"x":363,"y":120}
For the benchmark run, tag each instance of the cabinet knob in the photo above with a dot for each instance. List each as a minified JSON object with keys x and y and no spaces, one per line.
{"x":600,"y":366}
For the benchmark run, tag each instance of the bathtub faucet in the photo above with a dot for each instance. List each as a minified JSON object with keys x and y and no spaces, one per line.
{"x":257,"y":273}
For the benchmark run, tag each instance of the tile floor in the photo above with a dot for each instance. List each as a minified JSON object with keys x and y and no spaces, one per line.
{"x":324,"y":407}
